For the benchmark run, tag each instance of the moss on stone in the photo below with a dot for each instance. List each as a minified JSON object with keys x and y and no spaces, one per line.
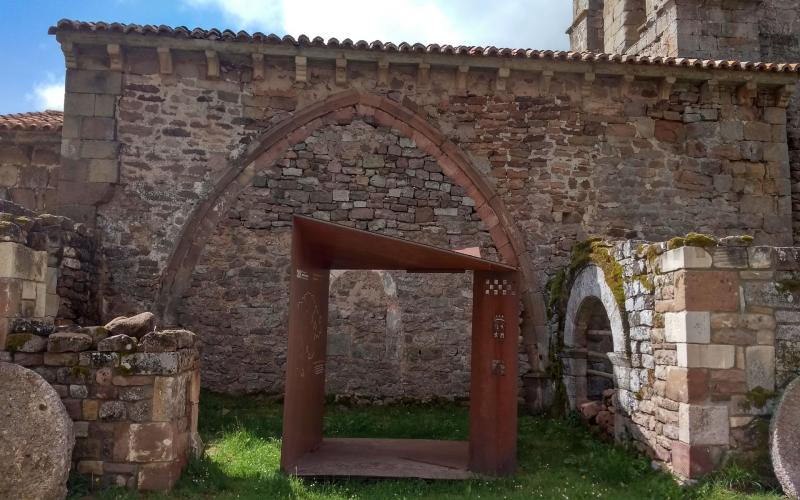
{"x":700,"y":240}
{"x":17,"y":340}
{"x":746,"y":238}
{"x":658,"y":320}
{"x":791,"y":285}
{"x":757,"y":398}
{"x":80,"y":371}
{"x":676,"y":242}
{"x":646,"y":282}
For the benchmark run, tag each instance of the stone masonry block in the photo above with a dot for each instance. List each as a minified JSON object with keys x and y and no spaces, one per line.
{"x":98,"y":128}
{"x":687,"y":385}
{"x":79,"y":104}
{"x":93,"y":82}
{"x":703,"y":425}
{"x":760,"y":362}
{"x":685,"y":258}
{"x":161,"y":363}
{"x":19,"y":261}
{"x":697,"y":290}
{"x":103,"y":171}
{"x":695,"y":461}
{"x":170,"y":398}
{"x":688,"y":326}
{"x":151,"y":442}
{"x":706,"y":356}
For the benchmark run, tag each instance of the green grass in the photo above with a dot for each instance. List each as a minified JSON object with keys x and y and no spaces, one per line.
{"x":557,"y":459}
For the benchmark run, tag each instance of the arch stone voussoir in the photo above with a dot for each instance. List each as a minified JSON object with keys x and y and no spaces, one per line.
{"x":591,"y":283}
{"x":343,"y":108}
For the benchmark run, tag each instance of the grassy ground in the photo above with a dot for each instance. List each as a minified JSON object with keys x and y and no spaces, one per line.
{"x":557,"y":459}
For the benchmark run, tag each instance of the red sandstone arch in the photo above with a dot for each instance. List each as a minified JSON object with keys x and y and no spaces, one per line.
{"x":341,"y":108}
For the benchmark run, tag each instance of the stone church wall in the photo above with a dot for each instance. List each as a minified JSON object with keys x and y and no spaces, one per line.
{"x":558,"y":156}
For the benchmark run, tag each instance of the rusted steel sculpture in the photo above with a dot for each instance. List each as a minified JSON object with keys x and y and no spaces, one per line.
{"x":317,"y":248}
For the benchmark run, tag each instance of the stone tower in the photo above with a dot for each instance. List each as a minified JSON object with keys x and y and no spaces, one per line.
{"x":743,"y":30}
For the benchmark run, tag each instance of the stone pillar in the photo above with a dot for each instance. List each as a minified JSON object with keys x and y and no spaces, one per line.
{"x":89,"y":160}
{"x":586,"y":31}
{"x":699,"y":291}
{"x":23,"y":291}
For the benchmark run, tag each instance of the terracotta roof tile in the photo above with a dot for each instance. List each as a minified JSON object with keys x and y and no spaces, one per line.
{"x":38,"y":120}
{"x":377,"y":45}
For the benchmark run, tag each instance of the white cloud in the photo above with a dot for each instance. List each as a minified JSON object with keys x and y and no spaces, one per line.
{"x":502,"y":23}
{"x":47,"y":95}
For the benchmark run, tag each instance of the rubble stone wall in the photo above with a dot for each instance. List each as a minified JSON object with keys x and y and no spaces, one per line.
{"x":29,"y":163}
{"x":384,"y":327}
{"x":71,"y":282}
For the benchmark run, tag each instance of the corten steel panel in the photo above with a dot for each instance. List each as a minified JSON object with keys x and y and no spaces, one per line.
{"x":493,"y":381}
{"x":318,"y":247}
{"x":340,"y":247}
{"x":305,"y":368}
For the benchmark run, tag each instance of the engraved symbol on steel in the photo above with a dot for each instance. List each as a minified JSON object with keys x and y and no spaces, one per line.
{"x":498,"y":287}
{"x":498,"y":367}
{"x":499,"y":327}
{"x":319,"y":367}
{"x":302,"y":275}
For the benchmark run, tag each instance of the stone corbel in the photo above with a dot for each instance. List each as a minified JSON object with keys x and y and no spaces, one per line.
{"x":746,"y":93}
{"x":164,"y":60}
{"x":545,"y":80}
{"x":461,"y":78}
{"x":70,"y":55}
{"x":258,"y":66}
{"x":783,"y":94}
{"x":300,"y":69}
{"x":383,"y":73}
{"x":665,"y":88}
{"x":502,"y":79}
{"x":341,"y":70}
{"x":423,"y":74}
{"x":586,"y":86}
{"x":212,"y":62}
{"x":114,"y":56}
{"x":709,"y":92}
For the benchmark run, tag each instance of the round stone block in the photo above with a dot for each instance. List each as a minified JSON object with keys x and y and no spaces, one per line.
{"x":36,"y":436}
{"x":785,"y":440}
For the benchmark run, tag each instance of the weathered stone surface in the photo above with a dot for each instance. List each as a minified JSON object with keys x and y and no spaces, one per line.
{"x":134,"y":326}
{"x":163,"y":363}
{"x":785,"y":440}
{"x":36,"y":438}
{"x":68,"y":342}
{"x":118,"y":343}
{"x":159,"y":342}
{"x":25,"y":342}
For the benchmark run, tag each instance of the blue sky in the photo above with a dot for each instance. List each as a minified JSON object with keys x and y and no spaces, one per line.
{"x":33,"y":67}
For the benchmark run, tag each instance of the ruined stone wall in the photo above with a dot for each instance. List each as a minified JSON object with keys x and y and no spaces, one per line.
{"x":384,"y":327}
{"x":566,"y":155}
{"x":712,"y":340}
{"x":67,"y":291}
{"x":134,"y":405}
{"x":29,"y":162}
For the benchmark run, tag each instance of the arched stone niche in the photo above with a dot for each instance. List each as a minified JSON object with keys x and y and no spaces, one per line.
{"x":592,"y":311}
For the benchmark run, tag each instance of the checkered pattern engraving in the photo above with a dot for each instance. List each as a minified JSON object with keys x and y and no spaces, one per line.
{"x":498,"y":287}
